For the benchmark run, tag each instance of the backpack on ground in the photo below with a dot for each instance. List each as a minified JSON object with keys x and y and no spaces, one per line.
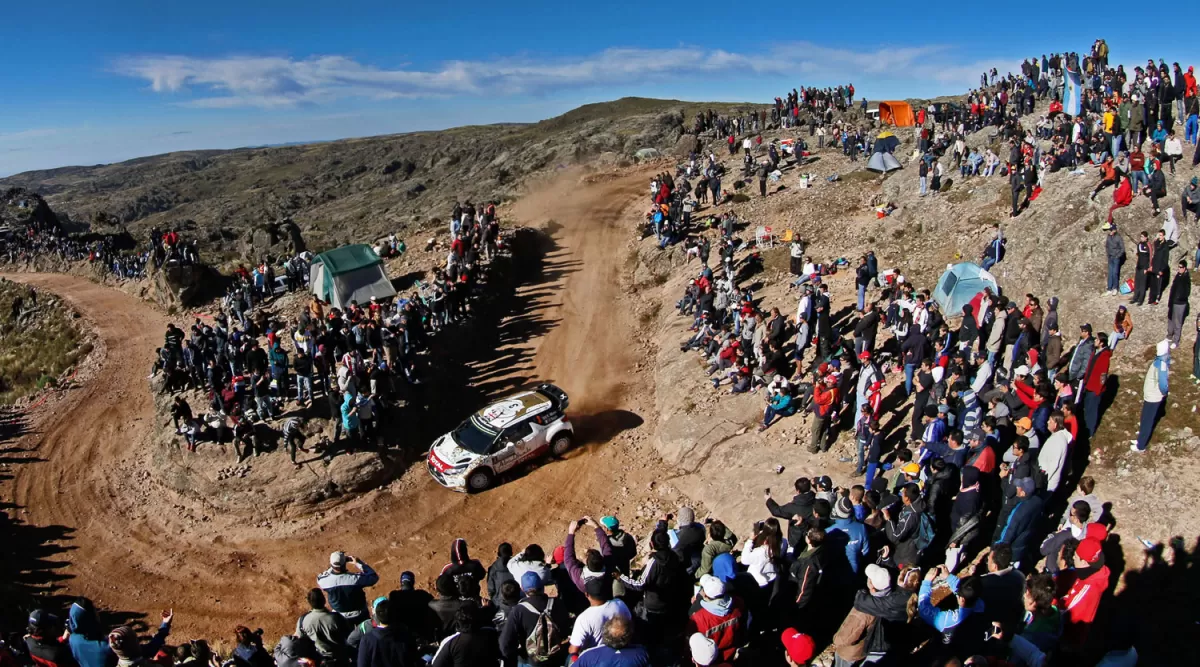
{"x":925,"y":532}
{"x":547,"y":640}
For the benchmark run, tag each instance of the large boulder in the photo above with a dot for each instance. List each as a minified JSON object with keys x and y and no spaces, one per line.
{"x":282,"y":238}
{"x":686,"y":145}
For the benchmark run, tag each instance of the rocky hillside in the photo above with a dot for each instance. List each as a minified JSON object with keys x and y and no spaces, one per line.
{"x":350,"y":190}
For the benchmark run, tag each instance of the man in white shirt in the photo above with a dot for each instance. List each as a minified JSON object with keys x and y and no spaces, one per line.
{"x":1052,"y":458}
{"x":589,"y":625}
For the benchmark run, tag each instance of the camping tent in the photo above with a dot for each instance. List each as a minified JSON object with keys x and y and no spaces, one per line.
{"x":882,"y":160}
{"x":899,"y":114}
{"x":349,"y":273}
{"x":959,"y":284}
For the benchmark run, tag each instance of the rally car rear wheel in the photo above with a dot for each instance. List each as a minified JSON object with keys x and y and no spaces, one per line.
{"x":480,"y":480}
{"x":560,"y":444}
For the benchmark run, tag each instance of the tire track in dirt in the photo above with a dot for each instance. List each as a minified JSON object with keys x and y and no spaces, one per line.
{"x":139,"y":553}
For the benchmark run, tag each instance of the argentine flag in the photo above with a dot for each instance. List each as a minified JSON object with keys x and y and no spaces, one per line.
{"x":1072,"y":94}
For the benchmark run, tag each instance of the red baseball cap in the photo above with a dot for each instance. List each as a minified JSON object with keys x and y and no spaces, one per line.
{"x":800,"y":647}
{"x":1089,"y":550}
{"x":559,"y":554}
{"x":865,"y":354}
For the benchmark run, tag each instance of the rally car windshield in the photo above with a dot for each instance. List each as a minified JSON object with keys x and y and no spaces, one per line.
{"x":472,"y":438}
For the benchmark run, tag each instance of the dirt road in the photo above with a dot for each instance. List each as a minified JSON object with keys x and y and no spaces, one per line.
{"x":137,"y":550}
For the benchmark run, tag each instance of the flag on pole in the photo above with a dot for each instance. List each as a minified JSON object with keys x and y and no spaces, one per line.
{"x":1072,"y":94}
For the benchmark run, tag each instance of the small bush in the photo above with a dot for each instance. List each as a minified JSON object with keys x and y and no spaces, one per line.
{"x":740,"y":198}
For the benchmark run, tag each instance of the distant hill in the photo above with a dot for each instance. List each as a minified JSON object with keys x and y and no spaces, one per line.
{"x":355,"y":188}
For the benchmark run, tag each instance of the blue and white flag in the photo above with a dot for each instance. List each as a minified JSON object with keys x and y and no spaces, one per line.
{"x":1072,"y":94}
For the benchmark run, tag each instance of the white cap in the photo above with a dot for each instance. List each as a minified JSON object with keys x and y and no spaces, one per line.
{"x":712,"y":586}
{"x":704,"y":650}
{"x":879,"y":577}
{"x":337,"y":558}
{"x":1021,"y":370}
{"x":1163,"y":347}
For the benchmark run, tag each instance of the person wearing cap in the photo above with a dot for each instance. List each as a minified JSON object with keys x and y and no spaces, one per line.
{"x":799,"y":649}
{"x":326,"y":630}
{"x":980,"y":454}
{"x":345,"y":588}
{"x":719,"y":616}
{"x":877,"y":621}
{"x":131,"y":650}
{"x":1154,"y":393}
{"x":412,"y":604}
{"x":1018,"y":528}
{"x":363,"y":628}
{"x":868,"y":374}
{"x":622,"y":545}
{"x":523,"y":620}
{"x":45,"y":642}
{"x":704,"y":652}
{"x":1081,"y":585}
{"x":849,"y":533}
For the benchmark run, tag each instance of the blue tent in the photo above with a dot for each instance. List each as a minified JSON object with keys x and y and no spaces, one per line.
{"x":959,"y":284}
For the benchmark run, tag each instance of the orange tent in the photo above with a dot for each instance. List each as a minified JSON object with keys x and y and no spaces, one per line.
{"x":899,"y":114}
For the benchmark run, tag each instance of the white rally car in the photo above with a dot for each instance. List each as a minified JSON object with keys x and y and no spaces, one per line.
{"x":496,"y":439}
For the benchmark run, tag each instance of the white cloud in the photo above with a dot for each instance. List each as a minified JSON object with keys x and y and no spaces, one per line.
{"x":269,"y":82}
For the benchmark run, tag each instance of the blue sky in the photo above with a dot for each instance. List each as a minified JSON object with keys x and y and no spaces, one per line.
{"x":90,"y":82}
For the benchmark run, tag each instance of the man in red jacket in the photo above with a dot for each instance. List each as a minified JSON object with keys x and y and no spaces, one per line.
{"x":719,"y":616}
{"x":1094,"y":379}
{"x":1080,"y":589}
{"x":825,"y":397}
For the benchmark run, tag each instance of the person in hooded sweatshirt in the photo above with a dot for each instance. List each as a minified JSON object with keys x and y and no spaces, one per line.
{"x":461,"y":564}
{"x":719,"y":616}
{"x":532,"y":559}
{"x":687,"y":539}
{"x":89,"y":643}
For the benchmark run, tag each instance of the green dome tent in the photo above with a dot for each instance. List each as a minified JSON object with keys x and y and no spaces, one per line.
{"x":349,"y":273}
{"x":959,"y":284}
